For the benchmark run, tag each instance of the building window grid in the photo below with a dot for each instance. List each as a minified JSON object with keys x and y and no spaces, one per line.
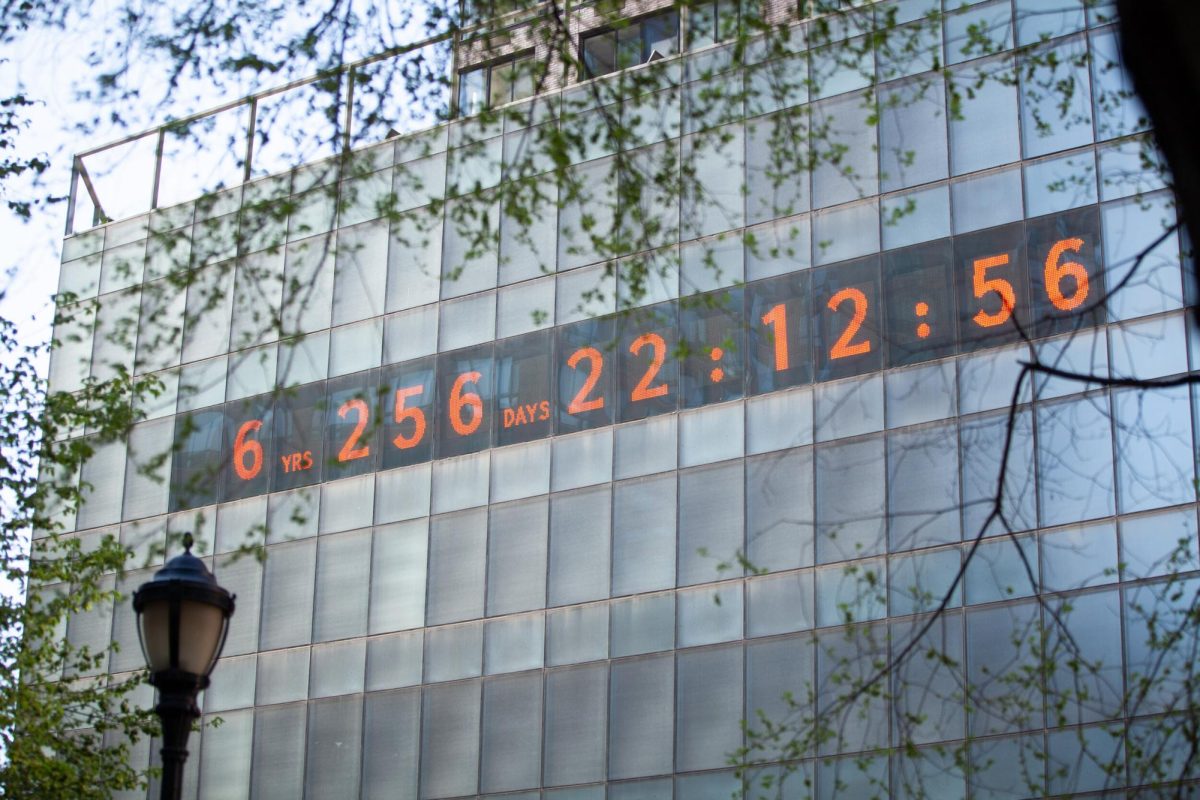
{"x":1038,"y":534}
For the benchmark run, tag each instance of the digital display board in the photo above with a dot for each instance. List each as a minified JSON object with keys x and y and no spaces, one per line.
{"x":905,"y":306}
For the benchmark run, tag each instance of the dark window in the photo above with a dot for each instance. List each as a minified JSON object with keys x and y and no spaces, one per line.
{"x":495,"y":84}
{"x":647,"y":39}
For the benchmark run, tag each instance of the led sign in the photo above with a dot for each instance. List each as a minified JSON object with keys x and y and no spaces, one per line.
{"x":905,"y":306}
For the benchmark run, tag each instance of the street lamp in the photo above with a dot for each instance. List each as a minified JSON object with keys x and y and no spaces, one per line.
{"x":183,"y":617}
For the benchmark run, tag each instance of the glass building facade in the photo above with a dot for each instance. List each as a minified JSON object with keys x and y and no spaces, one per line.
{"x":577,"y":600}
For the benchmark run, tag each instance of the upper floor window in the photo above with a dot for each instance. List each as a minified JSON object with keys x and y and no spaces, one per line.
{"x":646,"y":39}
{"x":495,"y":84}
{"x":711,"y":22}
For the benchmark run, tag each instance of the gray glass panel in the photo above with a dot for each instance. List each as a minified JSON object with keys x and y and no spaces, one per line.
{"x":104,"y":472}
{"x":361,"y":272}
{"x":514,"y":643}
{"x":1084,"y":647}
{"x":912,"y":135}
{"x":643,"y":624}
{"x":517,"y":543}
{"x":341,"y":604}
{"x":923,"y":487}
{"x":983,"y":443}
{"x":1007,"y":767}
{"x":225,"y":757}
{"x":450,"y":740}
{"x":646,"y":447}
{"x":986,"y":200}
{"x":845,"y":662}
{"x":776,"y":180}
{"x":278,"y":752}
{"x":576,"y":701}
{"x":582,"y":460}
{"x":641,"y":717}
{"x":512,"y":733}
{"x":395,"y":660}
{"x":709,"y":615}
{"x":1160,"y":672}
{"x":391,"y":735}
{"x":397,"y":595}
{"x":414,"y":255}
{"x":1078,"y":557}
{"x":779,"y":510}
{"x":985,"y":135}
{"x":1075,"y":461}
{"x":577,"y":634}
{"x":849,"y":408}
{"x":233,"y":684}
{"x":1000,"y":644}
{"x":1155,"y":457}
{"x":337,"y":668}
{"x":282,"y":676}
{"x":779,"y":684}
{"x":851,"y":593}
{"x":287,"y":602}
{"x":403,"y":493}
{"x":1119,"y":110}
{"x":920,"y":582}
{"x":928,"y":691}
{"x":981,"y":30}
{"x":850,"y":524}
{"x":334,"y":747}
{"x":710,"y":523}
{"x":579,"y":546}
{"x":1159,"y":544}
{"x":453,"y":652}
{"x":1056,"y":98}
{"x":920,"y":394}
{"x":1002,"y":569}
{"x":780,"y":604}
{"x":708,"y":707}
{"x":1083,"y":759}
{"x":847,"y":131}
{"x":644,"y":535}
{"x":1130,"y":228}
{"x":457,"y":549}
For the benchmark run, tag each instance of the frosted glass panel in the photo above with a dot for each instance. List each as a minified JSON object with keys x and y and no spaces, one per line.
{"x":522,"y":471}
{"x":644,"y":535}
{"x":391,"y":736}
{"x":576,"y":702}
{"x":282,"y":676}
{"x":780,"y":604}
{"x":341,"y":602}
{"x":577,"y":634}
{"x":514,"y":643}
{"x":709,"y":707}
{"x":779,"y":510}
{"x":398,"y":576}
{"x":641,"y":717}
{"x":453,"y":652}
{"x":850,"y":524}
{"x":711,"y":434}
{"x":395,"y":660}
{"x":287,"y":603}
{"x":450,"y":740}
{"x":337,"y":668}
{"x":334,"y":742}
{"x":225,"y":757}
{"x":460,"y":483}
{"x":279,"y":752}
{"x":512,"y":733}
{"x":579,"y":546}
{"x":517,"y":546}
{"x":643,"y":624}
{"x":457,"y":549}
{"x":402,"y":493}
{"x":711,"y":502}
{"x":646,"y":447}
{"x":709,"y":615}
{"x":582,"y":460}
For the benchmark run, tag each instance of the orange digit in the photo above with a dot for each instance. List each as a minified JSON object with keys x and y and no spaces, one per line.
{"x":984,"y":285}
{"x":842,"y":347}
{"x":243,"y":447}
{"x":415,"y":414}
{"x":643,"y":390}
{"x":579,"y":405}
{"x":349,"y":452}
{"x":460,"y":399}
{"x":1055,"y":273}
{"x":778,"y":320}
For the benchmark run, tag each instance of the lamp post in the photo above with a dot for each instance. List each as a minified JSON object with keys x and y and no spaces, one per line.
{"x":183,"y":617}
